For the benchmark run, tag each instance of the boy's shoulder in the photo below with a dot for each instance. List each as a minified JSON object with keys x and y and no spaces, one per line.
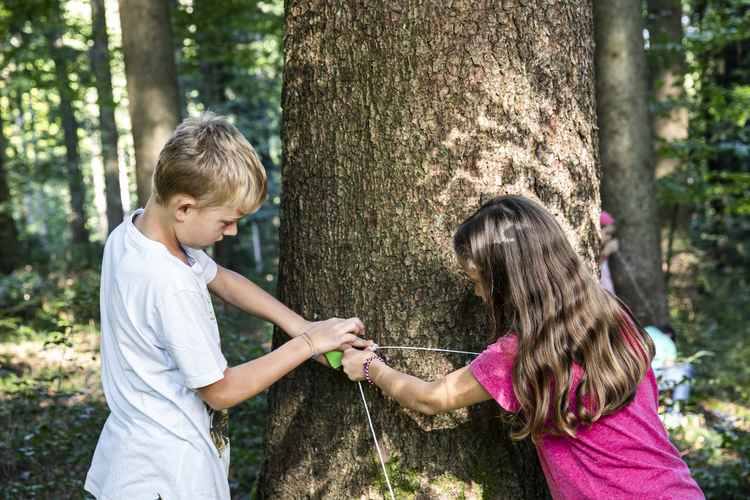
{"x":130,"y":256}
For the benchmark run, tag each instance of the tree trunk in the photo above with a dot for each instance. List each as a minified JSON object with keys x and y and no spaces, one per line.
{"x":8,"y":233}
{"x":628,"y":190}
{"x":400,"y":118}
{"x":76,"y":184}
{"x":666,"y":78}
{"x":153,"y":97}
{"x":107,"y":124}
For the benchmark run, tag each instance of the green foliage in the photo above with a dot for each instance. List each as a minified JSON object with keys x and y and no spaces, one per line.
{"x":229,"y":57}
{"x":34,"y":306}
{"x":714,"y":318}
{"x":719,"y":459}
{"x":715,"y":180}
{"x":49,"y":439}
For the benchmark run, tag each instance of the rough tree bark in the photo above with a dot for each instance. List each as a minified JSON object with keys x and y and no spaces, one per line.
{"x":667,"y":79}
{"x":400,"y":118}
{"x":153,"y":97}
{"x":107,"y":124}
{"x":8,"y":232}
{"x":626,"y":150}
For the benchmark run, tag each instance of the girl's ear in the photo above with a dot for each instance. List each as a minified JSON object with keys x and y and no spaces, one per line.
{"x":181,"y":204}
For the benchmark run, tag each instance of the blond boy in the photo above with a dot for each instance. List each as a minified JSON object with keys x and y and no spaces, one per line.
{"x":166,"y":381}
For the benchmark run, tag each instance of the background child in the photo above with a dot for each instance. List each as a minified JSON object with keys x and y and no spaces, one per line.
{"x":565,"y":356}
{"x":670,"y":374}
{"x":166,"y":381}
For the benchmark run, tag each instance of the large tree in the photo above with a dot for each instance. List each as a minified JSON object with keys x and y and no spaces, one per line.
{"x":400,"y":118}
{"x":153,"y":97}
{"x":626,"y":150}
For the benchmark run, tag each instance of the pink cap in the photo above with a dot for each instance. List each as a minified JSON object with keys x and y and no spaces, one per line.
{"x":606,"y":219}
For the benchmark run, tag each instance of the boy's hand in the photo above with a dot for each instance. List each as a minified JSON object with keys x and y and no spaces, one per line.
{"x":337,"y":334}
{"x":353,"y":363}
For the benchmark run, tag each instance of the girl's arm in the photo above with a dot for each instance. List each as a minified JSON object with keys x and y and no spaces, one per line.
{"x":456,"y":390}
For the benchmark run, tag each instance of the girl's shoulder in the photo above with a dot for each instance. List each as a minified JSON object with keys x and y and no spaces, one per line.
{"x":493,"y":369}
{"x":504,"y":346}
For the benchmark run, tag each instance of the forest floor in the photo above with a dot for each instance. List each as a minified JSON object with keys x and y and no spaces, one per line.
{"x":53,"y":410}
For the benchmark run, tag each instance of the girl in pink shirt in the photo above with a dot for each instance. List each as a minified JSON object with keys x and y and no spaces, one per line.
{"x":566,"y":356}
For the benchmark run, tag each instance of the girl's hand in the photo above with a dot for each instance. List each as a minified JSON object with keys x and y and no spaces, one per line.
{"x":353,"y":363}
{"x":337,"y":334}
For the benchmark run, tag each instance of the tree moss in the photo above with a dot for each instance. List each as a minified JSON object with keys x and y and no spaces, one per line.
{"x":405,"y":483}
{"x":488,"y":476}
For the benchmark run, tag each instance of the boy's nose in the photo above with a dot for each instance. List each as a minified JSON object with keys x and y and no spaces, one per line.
{"x":230,"y":230}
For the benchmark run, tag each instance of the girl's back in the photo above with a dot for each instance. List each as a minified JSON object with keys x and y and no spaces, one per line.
{"x":569,"y":358}
{"x":622,"y":456}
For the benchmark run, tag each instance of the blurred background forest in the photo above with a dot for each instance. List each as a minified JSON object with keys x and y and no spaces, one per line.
{"x":68,"y":176}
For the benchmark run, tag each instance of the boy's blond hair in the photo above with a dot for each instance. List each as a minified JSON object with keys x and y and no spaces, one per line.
{"x":209,"y":160}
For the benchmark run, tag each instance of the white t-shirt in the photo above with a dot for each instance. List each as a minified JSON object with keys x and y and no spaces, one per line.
{"x":160,"y":341}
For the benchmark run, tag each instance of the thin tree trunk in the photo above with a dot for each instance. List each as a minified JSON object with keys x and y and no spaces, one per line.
{"x":153,"y":96}
{"x":107,"y":124}
{"x":399,"y":120}
{"x":628,"y":188}
{"x":8,"y":233}
{"x":667,"y":79}
{"x":76,"y":184}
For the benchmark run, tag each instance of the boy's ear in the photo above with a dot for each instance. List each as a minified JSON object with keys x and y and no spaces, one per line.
{"x":181,"y":205}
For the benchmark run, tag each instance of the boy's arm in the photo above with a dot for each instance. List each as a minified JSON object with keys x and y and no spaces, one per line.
{"x":248,"y":379}
{"x":246,"y":296}
{"x":456,"y":390}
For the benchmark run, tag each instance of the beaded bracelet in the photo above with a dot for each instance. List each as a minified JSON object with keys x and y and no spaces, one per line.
{"x":309,"y":342}
{"x":366,"y":364}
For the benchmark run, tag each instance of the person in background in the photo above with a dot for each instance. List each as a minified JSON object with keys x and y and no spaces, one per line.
{"x":609,"y":246}
{"x":669,"y":373}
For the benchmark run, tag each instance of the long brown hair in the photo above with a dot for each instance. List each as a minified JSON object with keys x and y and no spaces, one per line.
{"x":537,"y":287}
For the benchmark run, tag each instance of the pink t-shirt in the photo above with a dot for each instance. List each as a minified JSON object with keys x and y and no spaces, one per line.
{"x":623,"y":456}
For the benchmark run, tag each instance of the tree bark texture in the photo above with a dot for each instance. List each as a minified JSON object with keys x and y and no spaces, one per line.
{"x":8,"y":232}
{"x":107,"y":124}
{"x":153,"y":97}
{"x":667,"y":80}
{"x":400,"y":119}
{"x":76,"y":183}
{"x":628,"y":187}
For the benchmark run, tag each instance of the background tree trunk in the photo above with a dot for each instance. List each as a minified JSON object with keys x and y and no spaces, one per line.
{"x":107,"y":124}
{"x":625,"y":146}
{"x":400,"y":118}
{"x":666,"y":78}
{"x":153,"y":98}
{"x":8,"y":233}
{"x":76,"y":184}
